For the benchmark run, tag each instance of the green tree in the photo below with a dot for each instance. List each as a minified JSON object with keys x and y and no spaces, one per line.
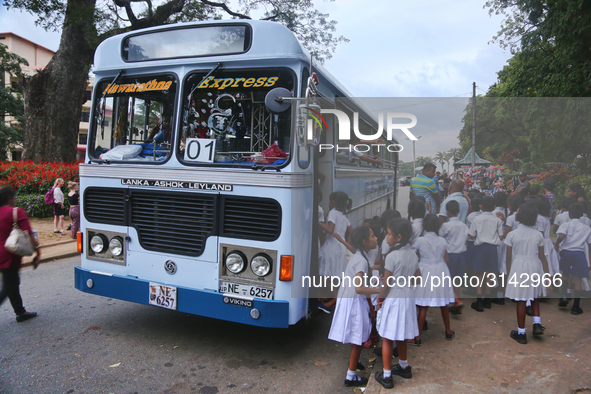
{"x":440,"y":157}
{"x":11,"y":101}
{"x":54,"y":96}
{"x":422,"y":160}
{"x":550,"y":40}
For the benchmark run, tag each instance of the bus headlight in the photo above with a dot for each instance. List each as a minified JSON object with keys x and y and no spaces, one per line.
{"x":261,"y":264}
{"x":235,"y":262}
{"x":98,"y":243}
{"x":116,"y":246}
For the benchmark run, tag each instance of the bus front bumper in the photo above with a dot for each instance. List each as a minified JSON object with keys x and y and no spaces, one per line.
{"x":206,"y":303}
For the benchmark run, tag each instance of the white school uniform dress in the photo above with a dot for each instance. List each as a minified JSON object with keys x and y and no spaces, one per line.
{"x":432,"y":248}
{"x":525,"y":242}
{"x":399,"y":313}
{"x":512,"y":222}
{"x":502,"y":248}
{"x":320,"y":251}
{"x":335,"y":253}
{"x":373,"y":256}
{"x":585,"y":220}
{"x":351,"y":322}
{"x":417,"y":231}
{"x":543,"y":225}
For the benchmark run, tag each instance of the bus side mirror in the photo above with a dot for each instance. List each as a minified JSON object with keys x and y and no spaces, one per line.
{"x":278,"y":100}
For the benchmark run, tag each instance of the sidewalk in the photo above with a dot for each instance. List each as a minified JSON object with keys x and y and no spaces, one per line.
{"x":53,"y":246}
{"x":482,"y":358}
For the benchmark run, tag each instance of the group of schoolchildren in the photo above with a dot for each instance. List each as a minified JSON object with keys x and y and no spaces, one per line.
{"x":501,"y":236}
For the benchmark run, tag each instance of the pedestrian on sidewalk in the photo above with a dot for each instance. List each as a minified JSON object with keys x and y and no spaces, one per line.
{"x":74,"y":200}
{"x":58,"y":207}
{"x":10,"y":264}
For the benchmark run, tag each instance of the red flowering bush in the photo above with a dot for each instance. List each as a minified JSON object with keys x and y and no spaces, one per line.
{"x":26,"y":177}
{"x":32,"y":180}
{"x":560,"y":175}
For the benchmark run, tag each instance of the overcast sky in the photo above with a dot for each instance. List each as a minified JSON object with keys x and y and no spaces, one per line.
{"x":421,"y":48}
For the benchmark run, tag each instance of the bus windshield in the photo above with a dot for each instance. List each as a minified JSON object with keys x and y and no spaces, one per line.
{"x":225,"y":120}
{"x":133,"y":118}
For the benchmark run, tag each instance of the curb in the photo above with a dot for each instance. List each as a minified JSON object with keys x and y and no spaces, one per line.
{"x":52,"y":258}
{"x":57,"y":243}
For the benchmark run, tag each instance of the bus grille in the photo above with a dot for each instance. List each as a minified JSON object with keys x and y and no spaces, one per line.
{"x":180,"y":223}
{"x":251,"y":218}
{"x":102,"y":205}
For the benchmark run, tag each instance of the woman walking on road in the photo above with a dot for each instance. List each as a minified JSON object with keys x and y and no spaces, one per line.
{"x":10,"y":264}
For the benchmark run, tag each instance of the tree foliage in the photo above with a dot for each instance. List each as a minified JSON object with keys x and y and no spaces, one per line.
{"x":539,"y":105}
{"x":11,"y":101}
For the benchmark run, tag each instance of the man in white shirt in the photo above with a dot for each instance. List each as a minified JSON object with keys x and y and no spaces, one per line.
{"x":456,"y":193}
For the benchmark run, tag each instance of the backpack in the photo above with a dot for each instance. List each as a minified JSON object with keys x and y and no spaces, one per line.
{"x":49,"y":196}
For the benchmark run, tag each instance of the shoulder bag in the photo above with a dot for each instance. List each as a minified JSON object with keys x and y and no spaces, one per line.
{"x":19,"y":241}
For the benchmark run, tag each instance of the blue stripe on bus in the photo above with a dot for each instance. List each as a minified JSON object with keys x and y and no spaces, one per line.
{"x":198,"y":302}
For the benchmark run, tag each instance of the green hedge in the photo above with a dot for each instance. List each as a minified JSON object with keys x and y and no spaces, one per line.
{"x":35,"y":205}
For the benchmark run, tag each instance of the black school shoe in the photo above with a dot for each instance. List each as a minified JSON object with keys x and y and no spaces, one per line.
{"x":520,"y":338}
{"x":405,"y":373}
{"x":387,"y":383}
{"x":477,"y":306}
{"x":538,"y":329}
{"x":563,"y":302}
{"x":498,"y":301}
{"x":529,"y":311}
{"x":486,"y":303}
{"x":360,"y":381}
{"x":360,"y":367}
{"x":378,"y":352}
{"x":574,"y":311}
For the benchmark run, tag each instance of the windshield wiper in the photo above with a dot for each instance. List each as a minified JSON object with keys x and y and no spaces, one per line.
{"x":102,"y":113}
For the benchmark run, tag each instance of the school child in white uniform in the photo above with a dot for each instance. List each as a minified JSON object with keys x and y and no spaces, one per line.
{"x":433,"y":258}
{"x":455,"y":234}
{"x":375,"y":264}
{"x":543,"y":225}
{"x":562,"y":217}
{"x":351,"y":321}
{"x":398,"y":320}
{"x":487,"y":231}
{"x":574,"y":239}
{"x":416,"y":214}
{"x":513,"y":204}
{"x":501,"y":212}
{"x":527,"y":265}
{"x":475,"y":208}
{"x":337,"y":228}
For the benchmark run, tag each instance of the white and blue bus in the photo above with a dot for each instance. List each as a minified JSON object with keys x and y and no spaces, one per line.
{"x":196,"y":194}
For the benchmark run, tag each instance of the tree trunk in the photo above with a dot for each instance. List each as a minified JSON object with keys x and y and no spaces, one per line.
{"x":54,"y":96}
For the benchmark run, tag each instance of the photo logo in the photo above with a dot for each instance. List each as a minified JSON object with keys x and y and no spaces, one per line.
{"x":344,"y":128}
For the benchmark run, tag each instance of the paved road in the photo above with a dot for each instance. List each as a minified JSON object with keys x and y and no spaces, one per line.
{"x":82,"y":343}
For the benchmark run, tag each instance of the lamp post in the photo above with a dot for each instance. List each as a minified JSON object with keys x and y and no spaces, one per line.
{"x":414,"y":160}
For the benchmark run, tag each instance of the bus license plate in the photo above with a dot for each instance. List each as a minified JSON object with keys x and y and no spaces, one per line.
{"x":163,"y":296}
{"x":246,"y":290}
